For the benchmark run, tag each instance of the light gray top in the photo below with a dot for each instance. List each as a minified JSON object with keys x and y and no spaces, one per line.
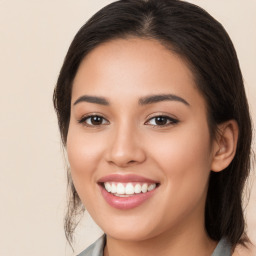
{"x":223,"y":248}
{"x":96,"y":249}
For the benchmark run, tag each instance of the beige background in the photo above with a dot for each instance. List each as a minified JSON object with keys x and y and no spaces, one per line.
{"x":34,"y":37}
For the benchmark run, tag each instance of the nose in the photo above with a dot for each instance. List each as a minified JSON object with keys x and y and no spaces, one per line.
{"x":125,"y":147}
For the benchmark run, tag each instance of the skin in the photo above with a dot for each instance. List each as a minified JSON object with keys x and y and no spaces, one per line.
{"x":179,"y":155}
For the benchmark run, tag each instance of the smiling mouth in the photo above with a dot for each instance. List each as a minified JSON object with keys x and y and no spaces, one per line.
{"x":128,"y":189}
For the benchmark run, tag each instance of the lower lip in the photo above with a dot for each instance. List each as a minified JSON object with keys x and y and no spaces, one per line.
{"x":125,"y":203}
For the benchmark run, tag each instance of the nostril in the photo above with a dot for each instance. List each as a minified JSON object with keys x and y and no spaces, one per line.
{"x":131,"y":162}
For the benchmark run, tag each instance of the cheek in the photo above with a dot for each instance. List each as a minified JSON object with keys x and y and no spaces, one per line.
{"x":185,"y":158}
{"x":84,"y":149}
{"x":84,"y":154}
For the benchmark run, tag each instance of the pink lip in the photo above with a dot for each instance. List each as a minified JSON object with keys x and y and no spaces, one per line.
{"x":125,"y":203}
{"x":125,"y":178}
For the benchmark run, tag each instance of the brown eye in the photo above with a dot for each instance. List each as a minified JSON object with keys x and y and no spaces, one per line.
{"x":96,"y":120}
{"x":93,"y":120}
{"x":162,"y":121}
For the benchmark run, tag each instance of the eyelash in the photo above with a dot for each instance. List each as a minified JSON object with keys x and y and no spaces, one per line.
{"x":89,"y":117}
{"x":170,"y":121}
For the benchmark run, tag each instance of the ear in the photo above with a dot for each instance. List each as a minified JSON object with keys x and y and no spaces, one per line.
{"x":224,"y":145}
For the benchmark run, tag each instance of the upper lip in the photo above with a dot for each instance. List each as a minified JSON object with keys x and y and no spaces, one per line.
{"x":125,"y":178}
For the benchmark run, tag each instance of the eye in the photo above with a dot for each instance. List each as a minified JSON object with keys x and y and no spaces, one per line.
{"x":161,"y":121}
{"x":93,"y":120}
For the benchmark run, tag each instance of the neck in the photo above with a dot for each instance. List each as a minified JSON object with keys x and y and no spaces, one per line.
{"x":189,"y":239}
{"x":192,"y":245}
{"x":164,"y":247}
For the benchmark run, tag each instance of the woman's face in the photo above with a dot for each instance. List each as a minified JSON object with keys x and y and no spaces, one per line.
{"x":137,"y":123}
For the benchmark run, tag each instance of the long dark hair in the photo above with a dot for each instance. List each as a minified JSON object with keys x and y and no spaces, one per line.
{"x":203,"y":43}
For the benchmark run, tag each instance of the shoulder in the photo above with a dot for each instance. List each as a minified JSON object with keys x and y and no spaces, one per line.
{"x":95,"y":249}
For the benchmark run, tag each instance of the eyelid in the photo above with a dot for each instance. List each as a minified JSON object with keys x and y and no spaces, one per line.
{"x":172,"y":120}
{"x":90,"y":115}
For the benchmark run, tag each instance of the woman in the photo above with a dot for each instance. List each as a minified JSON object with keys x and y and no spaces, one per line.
{"x":153,"y":114}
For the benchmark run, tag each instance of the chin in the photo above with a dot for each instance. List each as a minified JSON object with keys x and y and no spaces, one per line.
{"x":131,"y":235}
{"x":130,"y":231}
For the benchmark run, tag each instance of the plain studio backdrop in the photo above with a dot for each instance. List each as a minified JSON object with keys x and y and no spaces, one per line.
{"x":34,"y":38}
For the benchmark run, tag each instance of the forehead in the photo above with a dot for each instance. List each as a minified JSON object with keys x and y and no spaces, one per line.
{"x":133,"y":67}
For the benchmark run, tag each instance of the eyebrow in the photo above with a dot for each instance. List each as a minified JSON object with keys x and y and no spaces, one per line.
{"x":142,"y":101}
{"x":92,"y":99}
{"x":161,"y":97}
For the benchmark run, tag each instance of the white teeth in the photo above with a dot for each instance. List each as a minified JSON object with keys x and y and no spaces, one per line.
{"x":113,"y":189}
{"x":129,"y":189}
{"x":137,"y":188}
{"x":107,"y":186}
{"x":124,"y":190}
{"x":144,"y":188}
{"x":151,"y":187}
{"x":120,"y":189}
